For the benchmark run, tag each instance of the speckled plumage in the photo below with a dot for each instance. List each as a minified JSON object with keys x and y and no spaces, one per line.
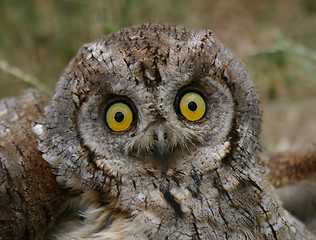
{"x":211,"y":184}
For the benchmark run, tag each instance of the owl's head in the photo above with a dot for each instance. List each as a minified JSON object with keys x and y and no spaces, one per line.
{"x":149,"y":107}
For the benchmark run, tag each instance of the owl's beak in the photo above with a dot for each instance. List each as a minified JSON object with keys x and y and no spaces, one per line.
{"x":161,"y":147}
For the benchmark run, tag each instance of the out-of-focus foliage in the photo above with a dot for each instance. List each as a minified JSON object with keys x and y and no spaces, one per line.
{"x":275,"y":39}
{"x":296,"y":65}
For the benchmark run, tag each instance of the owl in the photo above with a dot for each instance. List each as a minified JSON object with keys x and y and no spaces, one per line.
{"x":153,"y":133}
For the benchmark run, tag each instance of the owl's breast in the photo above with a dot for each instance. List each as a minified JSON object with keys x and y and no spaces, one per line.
{"x":186,"y":205}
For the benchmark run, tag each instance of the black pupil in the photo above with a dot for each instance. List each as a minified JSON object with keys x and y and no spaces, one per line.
{"x":119,"y":117}
{"x":192,"y":106}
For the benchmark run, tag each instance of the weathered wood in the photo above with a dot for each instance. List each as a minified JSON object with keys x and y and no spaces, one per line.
{"x":288,"y":167}
{"x":29,"y":194}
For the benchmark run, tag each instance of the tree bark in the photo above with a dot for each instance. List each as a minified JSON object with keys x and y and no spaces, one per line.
{"x":30,"y":197}
{"x":289,"y":167}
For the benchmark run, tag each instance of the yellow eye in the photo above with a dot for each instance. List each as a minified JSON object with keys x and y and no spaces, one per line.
{"x":192,"y":106}
{"x":119,"y":117}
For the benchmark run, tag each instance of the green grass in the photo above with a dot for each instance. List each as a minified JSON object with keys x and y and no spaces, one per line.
{"x":275,"y":39}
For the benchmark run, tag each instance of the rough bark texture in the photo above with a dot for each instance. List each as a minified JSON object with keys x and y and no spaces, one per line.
{"x":289,"y":167}
{"x":29,"y":194}
{"x":293,"y":173}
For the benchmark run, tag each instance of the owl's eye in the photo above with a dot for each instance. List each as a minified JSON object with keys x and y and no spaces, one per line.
{"x":119,"y":116}
{"x":192,"y":106}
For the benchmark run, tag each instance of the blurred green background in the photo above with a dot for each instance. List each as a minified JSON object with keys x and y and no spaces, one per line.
{"x":275,"y":39}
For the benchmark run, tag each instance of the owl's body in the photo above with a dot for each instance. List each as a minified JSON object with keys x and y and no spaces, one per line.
{"x":155,"y":128}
